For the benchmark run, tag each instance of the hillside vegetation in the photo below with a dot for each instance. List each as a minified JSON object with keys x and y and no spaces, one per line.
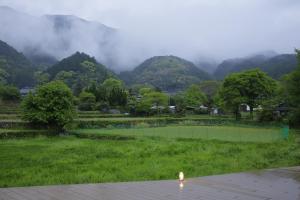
{"x":168,"y":73}
{"x":14,"y":67}
{"x":275,"y":66}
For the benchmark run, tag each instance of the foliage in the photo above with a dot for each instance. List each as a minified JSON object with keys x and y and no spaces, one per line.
{"x":68,"y":77}
{"x":250,"y":87}
{"x":15,"y":67}
{"x":87,"y":101}
{"x":3,"y":75}
{"x":275,"y":66}
{"x":41,"y":78}
{"x":9,"y":93}
{"x":111,"y":83}
{"x":79,"y":71}
{"x":292,"y":86}
{"x":210,"y":89}
{"x":51,"y":105}
{"x":117,"y":97}
{"x":193,"y":97}
{"x":152,"y":101}
{"x":169,"y":73}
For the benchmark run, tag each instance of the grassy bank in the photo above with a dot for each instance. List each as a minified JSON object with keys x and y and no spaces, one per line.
{"x":224,"y":133}
{"x":66,"y":160}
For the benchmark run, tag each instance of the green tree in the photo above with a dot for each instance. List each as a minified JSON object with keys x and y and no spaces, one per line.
{"x":111,"y":83}
{"x":292,"y":86}
{"x":117,"y":97}
{"x":251,"y":87}
{"x":51,"y":105}
{"x":9,"y":93}
{"x":41,"y":77}
{"x":115,"y":92}
{"x":210,"y":89}
{"x":3,"y":76}
{"x":68,"y":77}
{"x":87,"y":101}
{"x":152,"y":99}
{"x":193,"y":96}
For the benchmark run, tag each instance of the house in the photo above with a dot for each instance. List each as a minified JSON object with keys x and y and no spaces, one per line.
{"x":26,"y":90}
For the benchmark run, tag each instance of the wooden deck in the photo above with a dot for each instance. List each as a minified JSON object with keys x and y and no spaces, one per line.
{"x":281,"y":184}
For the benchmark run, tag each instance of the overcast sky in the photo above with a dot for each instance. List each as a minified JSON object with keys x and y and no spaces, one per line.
{"x":214,"y":28}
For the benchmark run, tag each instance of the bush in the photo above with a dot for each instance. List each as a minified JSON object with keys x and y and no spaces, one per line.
{"x":51,"y":105}
{"x":87,"y":101}
{"x":9,"y":93}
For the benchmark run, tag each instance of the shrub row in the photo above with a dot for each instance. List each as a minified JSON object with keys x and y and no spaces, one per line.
{"x":132,"y":122}
{"x":101,"y":137}
{"x":154,"y":122}
{"x":10,"y":134}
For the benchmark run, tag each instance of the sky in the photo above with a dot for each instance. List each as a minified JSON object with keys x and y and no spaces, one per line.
{"x":193,"y":29}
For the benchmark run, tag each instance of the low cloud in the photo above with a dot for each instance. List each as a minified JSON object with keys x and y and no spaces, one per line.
{"x":192,"y":29}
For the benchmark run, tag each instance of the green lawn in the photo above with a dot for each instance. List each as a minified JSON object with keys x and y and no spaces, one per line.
{"x":225,"y":133}
{"x":68,"y":159}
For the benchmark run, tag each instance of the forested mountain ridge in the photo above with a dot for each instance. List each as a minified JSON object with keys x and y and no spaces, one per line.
{"x":78,"y":71}
{"x":275,"y":66}
{"x":15,"y":68}
{"x":169,"y":73}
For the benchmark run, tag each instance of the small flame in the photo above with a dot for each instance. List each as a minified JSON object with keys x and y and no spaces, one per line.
{"x":181,"y":176}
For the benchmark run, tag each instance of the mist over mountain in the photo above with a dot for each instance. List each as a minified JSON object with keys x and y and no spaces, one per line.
{"x":17,"y":68}
{"x":49,"y":38}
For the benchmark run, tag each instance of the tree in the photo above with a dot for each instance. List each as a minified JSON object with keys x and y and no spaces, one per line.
{"x":3,"y":76}
{"x":111,"y":83}
{"x":87,"y":101}
{"x":152,"y":99}
{"x":117,"y":97}
{"x":210,"y":89}
{"x":251,"y":87}
{"x":41,"y":78}
{"x":9,"y":93}
{"x":229,"y":96}
{"x":115,"y":92}
{"x":292,"y":86}
{"x":68,"y":77}
{"x":50,"y":105}
{"x":193,"y":96}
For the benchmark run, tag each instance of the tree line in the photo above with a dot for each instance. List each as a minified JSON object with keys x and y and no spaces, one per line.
{"x":54,"y":103}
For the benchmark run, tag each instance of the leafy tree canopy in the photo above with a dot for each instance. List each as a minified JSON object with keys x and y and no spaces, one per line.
{"x":51,"y":105}
{"x":193,"y":96}
{"x":292,"y":86}
{"x":9,"y":93}
{"x":250,"y":87}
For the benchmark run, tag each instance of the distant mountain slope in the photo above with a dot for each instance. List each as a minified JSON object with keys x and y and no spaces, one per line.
{"x":49,"y":38}
{"x":275,"y":66}
{"x":169,"y":73}
{"x":19,"y":70}
{"x":75,"y":64}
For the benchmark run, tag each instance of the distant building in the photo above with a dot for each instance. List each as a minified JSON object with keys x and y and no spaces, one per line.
{"x":26,"y":90}
{"x":244,"y":107}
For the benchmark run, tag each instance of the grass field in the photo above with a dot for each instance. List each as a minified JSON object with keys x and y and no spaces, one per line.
{"x":224,"y":133}
{"x":68,"y":159}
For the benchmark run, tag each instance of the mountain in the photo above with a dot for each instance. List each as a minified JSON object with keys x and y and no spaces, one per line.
{"x":17,"y":69}
{"x":169,"y":73}
{"x":49,"y":38}
{"x":79,"y":68}
{"x":275,"y":66}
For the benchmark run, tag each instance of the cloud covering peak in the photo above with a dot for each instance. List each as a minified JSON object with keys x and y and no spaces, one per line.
{"x":191,"y":29}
